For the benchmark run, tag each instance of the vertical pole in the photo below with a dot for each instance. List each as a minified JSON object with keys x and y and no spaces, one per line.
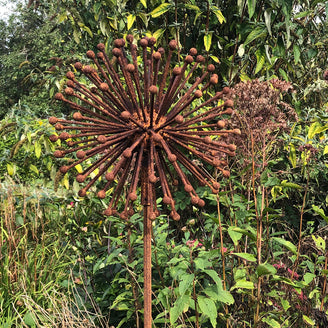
{"x":146,"y":191}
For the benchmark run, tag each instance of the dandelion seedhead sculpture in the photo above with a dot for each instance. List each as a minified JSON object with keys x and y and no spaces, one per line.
{"x":138,"y":121}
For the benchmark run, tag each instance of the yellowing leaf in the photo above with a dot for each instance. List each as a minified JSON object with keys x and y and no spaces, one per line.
{"x":161,"y":9}
{"x":131,"y":19}
{"x":144,"y":3}
{"x":78,"y":168}
{"x":207,"y":41}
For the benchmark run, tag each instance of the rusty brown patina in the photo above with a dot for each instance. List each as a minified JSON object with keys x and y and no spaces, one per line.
{"x":141,"y":121}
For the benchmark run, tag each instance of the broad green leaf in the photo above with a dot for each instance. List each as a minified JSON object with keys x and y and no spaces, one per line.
{"x":285,"y":304}
{"x":260,"y":59}
{"x":264,"y":269}
{"x":144,"y":3}
{"x":207,"y":41}
{"x":161,"y":9}
{"x":180,"y":305}
{"x":218,"y":14}
{"x":308,"y":320}
{"x":37,"y":149}
{"x":234,"y":235}
{"x":283,"y":74}
{"x":287,"y":244}
{"x":130,"y":20}
{"x":225,"y":297}
{"x":251,"y":7}
{"x":214,"y":275}
{"x":246,"y":256}
{"x":185,"y":283}
{"x":207,"y":307}
{"x":297,"y":53}
{"x":34,"y":169}
{"x":313,"y":129}
{"x":29,"y":319}
{"x":271,"y":322}
{"x":308,"y":277}
{"x":257,"y":33}
{"x":245,"y":284}
{"x":158,"y":33}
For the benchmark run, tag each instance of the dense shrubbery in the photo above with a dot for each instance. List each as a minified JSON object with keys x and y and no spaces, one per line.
{"x":255,"y":256}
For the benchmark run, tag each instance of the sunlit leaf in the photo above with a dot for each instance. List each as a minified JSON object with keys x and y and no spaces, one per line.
{"x":207,"y":41}
{"x":161,"y":9}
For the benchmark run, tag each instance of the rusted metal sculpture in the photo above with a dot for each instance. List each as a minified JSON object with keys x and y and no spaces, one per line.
{"x":139,"y":121}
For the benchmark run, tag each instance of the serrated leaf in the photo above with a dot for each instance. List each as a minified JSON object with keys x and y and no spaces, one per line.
{"x":207,"y":41}
{"x":319,"y":241}
{"x":161,"y":9}
{"x":185,"y":283}
{"x":291,"y":185}
{"x":130,"y":20}
{"x":265,"y":269}
{"x":308,"y":277}
{"x":246,"y":256}
{"x":207,"y":307}
{"x":287,"y":244}
{"x":180,"y":305}
{"x":234,"y":235}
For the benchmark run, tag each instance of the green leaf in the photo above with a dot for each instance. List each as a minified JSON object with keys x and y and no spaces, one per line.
{"x":207,"y":307}
{"x":292,"y":155}
{"x":207,"y":41}
{"x":271,"y":322}
{"x":283,"y":74}
{"x":260,"y":59}
{"x":251,"y":7}
{"x":245,"y":284}
{"x":308,"y":320}
{"x":185,"y":283}
{"x":257,"y":33}
{"x":144,"y":3}
{"x":77,"y":35}
{"x":131,"y":19}
{"x":265,"y":269}
{"x":234,"y":235}
{"x":308,"y":277}
{"x":246,"y":256}
{"x":11,"y":169}
{"x":297,"y":53}
{"x":218,"y":14}
{"x":34,"y":168}
{"x":161,"y":9}
{"x":320,"y":242}
{"x":291,"y":185}
{"x":287,"y":244}
{"x":180,"y":305}
{"x":37,"y":149}
{"x":29,"y":319}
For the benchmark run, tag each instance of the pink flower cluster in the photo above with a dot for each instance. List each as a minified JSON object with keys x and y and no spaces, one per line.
{"x":192,"y":243}
{"x":283,"y":266}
